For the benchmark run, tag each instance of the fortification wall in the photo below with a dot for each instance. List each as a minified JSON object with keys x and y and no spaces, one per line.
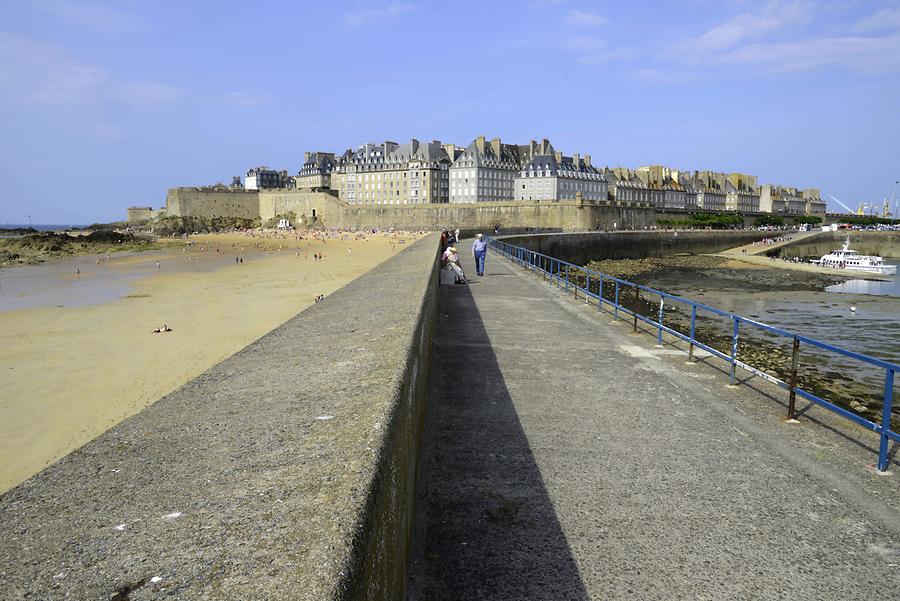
{"x":581,"y":248}
{"x":325,"y":210}
{"x":483,"y":216}
{"x":197,"y":202}
{"x":287,"y":471}
{"x":311,"y":208}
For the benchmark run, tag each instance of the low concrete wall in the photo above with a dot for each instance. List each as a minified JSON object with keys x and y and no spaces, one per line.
{"x":285,"y":472}
{"x":581,"y":248}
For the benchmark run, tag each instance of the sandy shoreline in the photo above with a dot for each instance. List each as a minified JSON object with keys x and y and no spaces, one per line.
{"x":70,"y":373}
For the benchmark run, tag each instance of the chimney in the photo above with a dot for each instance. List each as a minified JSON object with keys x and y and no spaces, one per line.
{"x":414,"y":146}
{"x":479,"y":144}
{"x":306,"y":157}
{"x":575,"y":159}
{"x":545,"y":145}
{"x":558,"y":155}
{"x":587,"y":160}
{"x":495,"y":144}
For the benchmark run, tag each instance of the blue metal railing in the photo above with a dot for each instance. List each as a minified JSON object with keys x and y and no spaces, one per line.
{"x":557,"y":272}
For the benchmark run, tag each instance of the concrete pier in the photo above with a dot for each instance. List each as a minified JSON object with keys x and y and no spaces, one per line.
{"x":566,"y":458}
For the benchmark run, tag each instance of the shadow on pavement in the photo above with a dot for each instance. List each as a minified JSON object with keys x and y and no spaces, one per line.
{"x":486,"y":527}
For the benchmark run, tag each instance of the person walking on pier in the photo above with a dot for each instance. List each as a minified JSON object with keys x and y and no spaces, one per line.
{"x":479,"y":251}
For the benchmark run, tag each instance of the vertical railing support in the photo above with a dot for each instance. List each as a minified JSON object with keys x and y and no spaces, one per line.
{"x":883,"y":459}
{"x":587,"y":288}
{"x":616,"y":306}
{"x":734,"y":346}
{"x":795,"y":364}
{"x":567,"y":278}
{"x":637,"y":302}
{"x":600,"y":295}
{"x":693,"y":332}
{"x":662,"y":303}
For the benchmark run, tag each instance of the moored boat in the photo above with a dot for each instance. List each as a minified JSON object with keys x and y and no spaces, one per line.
{"x":846,"y":258}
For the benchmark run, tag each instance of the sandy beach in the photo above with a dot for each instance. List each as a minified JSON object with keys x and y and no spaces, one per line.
{"x":70,"y":373}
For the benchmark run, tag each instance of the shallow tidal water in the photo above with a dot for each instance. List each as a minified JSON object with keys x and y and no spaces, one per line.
{"x":872,"y":328}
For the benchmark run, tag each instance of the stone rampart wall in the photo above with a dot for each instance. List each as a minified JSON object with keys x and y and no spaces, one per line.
{"x":483,"y":216}
{"x":325,"y":210}
{"x":195,"y":202}
{"x":287,"y":471}
{"x":311,"y":208}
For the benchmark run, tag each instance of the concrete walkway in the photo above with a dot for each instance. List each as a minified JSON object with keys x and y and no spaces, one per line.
{"x":759,"y":249}
{"x":566,"y":458}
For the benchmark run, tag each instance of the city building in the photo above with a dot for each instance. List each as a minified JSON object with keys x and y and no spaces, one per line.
{"x":780,"y":200}
{"x":710,"y":187}
{"x":814,"y":203}
{"x":667,"y":187}
{"x":391,"y":173}
{"x":549,"y":175}
{"x":263,"y":177}
{"x":484,"y":171}
{"x":315,"y":174}
{"x":741,"y":193}
{"x":624,"y":185}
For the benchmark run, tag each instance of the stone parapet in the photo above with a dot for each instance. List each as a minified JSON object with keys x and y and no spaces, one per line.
{"x":285,"y":472}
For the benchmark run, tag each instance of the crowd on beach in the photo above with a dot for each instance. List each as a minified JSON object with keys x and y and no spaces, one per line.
{"x":771,"y":241}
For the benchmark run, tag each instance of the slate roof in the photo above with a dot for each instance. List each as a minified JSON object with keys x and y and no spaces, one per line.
{"x":565,"y":168}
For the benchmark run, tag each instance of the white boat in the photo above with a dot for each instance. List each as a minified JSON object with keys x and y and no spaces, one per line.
{"x":851,"y":260}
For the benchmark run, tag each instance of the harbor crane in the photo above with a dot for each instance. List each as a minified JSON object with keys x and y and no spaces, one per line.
{"x":849,"y":210}
{"x":886,"y":211}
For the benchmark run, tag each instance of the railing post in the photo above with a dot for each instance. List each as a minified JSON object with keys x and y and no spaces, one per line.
{"x":637,"y":302}
{"x":587,"y":287}
{"x":693,"y":332}
{"x":567,"y":278}
{"x":662,"y":302}
{"x":600,"y":295}
{"x":734,"y":346}
{"x":616,"y":305}
{"x":883,"y":459}
{"x":795,"y":364}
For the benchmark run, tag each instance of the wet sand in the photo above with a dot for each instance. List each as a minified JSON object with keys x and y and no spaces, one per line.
{"x":70,"y":373}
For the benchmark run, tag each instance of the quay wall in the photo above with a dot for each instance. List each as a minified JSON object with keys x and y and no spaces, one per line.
{"x":580,"y":248}
{"x":884,"y":244}
{"x":287,"y":471}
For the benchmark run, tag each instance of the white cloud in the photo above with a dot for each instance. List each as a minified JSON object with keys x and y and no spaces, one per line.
{"x":885,"y":19}
{"x":584,"y":18}
{"x":776,"y":39}
{"x":94,"y":16}
{"x":865,"y":54}
{"x":373,"y":13}
{"x":776,"y":16}
{"x":37,"y":72}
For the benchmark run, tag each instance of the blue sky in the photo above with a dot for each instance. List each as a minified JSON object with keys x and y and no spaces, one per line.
{"x":106,"y":104}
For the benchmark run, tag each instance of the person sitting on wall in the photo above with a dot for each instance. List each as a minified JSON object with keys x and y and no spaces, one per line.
{"x":452,"y":262}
